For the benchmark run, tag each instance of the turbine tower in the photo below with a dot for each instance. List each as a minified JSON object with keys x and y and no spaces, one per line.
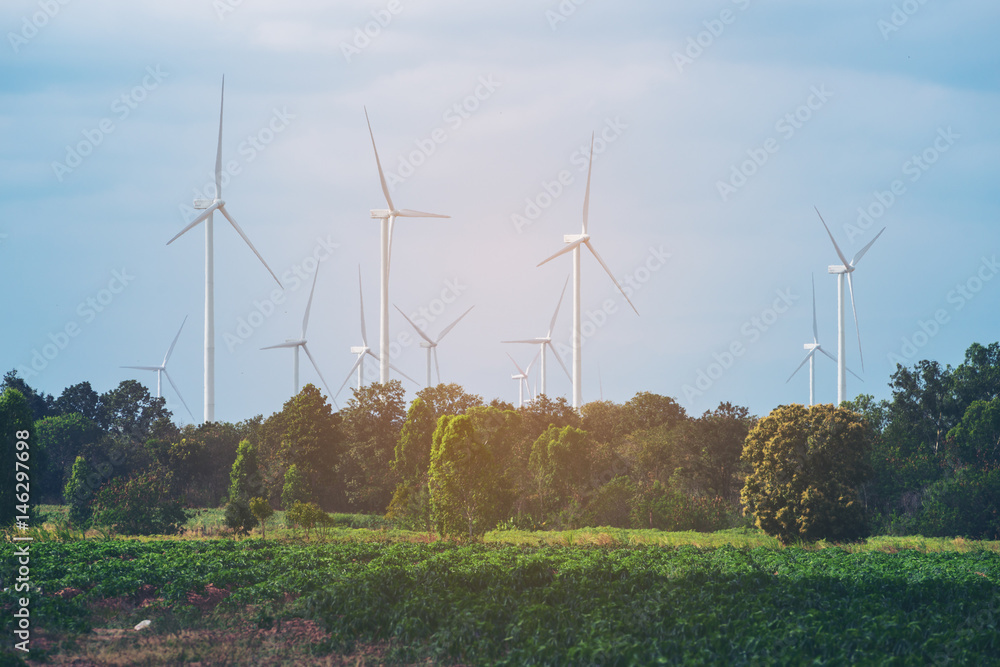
{"x":575,"y":241}
{"x":363,"y":350}
{"x":210,"y":206}
{"x":300,"y":342}
{"x":840,"y":270}
{"x":388,"y":218}
{"x":546,"y":341}
{"x":813,"y":348}
{"x":431,"y":345}
{"x":161,"y":370}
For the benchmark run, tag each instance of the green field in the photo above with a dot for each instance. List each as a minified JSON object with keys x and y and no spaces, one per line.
{"x":596,"y":596}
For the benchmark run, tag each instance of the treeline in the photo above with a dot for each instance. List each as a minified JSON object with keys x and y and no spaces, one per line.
{"x":449,"y":461}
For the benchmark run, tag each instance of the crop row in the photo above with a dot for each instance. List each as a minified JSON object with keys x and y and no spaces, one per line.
{"x":553,"y":605}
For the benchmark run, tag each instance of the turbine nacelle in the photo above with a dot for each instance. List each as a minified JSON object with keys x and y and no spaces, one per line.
{"x":380,"y":213}
{"x":573,"y":238}
{"x":810,"y":346}
{"x":201,"y":204}
{"x":358,"y":350}
{"x":838,"y":269}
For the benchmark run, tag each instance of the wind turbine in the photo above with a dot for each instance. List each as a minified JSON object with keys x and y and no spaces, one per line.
{"x":210,"y":206}
{"x":575,"y":241}
{"x":295,"y":344}
{"x":840,"y":270}
{"x":161,"y":370}
{"x":363,"y":349}
{"x":522,"y":379}
{"x":431,"y":345}
{"x":813,"y":348}
{"x":546,"y":341}
{"x":388,"y":218}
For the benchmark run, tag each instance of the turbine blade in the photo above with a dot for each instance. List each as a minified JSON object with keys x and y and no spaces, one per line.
{"x":519,"y":370}
{"x":586,"y":196}
{"x":381,"y":175}
{"x":528,"y":370}
{"x":830,"y":234}
{"x":170,"y":350}
{"x":861,"y":253}
{"x":309,"y":303}
{"x":218,"y":152}
{"x":532,"y":341}
{"x":410,"y":213}
{"x":832,"y":358}
{"x":799,"y":367}
{"x":815,"y":328}
{"x":286,"y":344}
{"x":437,"y":366}
{"x":861,"y":355}
{"x":854,"y":374}
{"x":552,"y":324}
{"x":305,"y":348}
{"x":452,"y":325}
{"x":571,"y":246}
{"x":178,"y":392}
{"x":415,"y":327}
{"x":247,"y":240}
{"x":404,"y":375}
{"x":207,"y":212}
{"x":350,"y":374}
{"x":615,"y":280}
{"x":559,"y":359}
{"x":392,"y":229}
{"x":361,"y":300}
{"x":144,"y":368}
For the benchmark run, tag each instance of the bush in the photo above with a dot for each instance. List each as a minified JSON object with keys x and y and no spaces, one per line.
{"x":965,"y":504}
{"x":806,"y":467}
{"x":666,"y":508}
{"x":78,"y":493}
{"x":139,"y":505}
{"x":612,"y":503}
{"x":245,"y":482}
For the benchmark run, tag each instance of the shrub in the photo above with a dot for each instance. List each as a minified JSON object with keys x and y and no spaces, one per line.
{"x":138,"y":505}
{"x":965,"y":504}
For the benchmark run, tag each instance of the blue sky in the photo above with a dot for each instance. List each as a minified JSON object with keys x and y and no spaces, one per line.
{"x":723,"y":124}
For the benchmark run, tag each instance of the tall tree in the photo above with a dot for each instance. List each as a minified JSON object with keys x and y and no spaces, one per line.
{"x":41,"y":404}
{"x":63,"y":438}
{"x":81,"y":399}
{"x":372,"y":423}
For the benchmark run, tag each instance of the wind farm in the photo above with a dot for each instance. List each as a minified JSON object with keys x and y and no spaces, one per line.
{"x":600,"y":400}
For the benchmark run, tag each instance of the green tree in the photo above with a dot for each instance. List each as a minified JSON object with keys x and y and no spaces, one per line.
{"x":138,"y":505}
{"x":261,"y":509}
{"x":15,"y":427}
{"x":467,"y":485}
{"x":40,"y":404}
{"x":295,"y":488}
{"x":806,"y":465}
{"x":79,"y":492}
{"x":710,"y":451}
{"x":80,"y":399}
{"x":245,"y":482}
{"x":373,"y":420}
{"x":977,"y":436}
{"x":63,"y":438}
{"x":560,"y":463}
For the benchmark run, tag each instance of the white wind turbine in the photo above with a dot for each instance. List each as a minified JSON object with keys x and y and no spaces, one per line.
{"x":363,"y":350}
{"x":546,"y":341}
{"x":813,"y":348}
{"x":575,"y":241}
{"x":161,"y":370}
{"x":431,"y":345}
{"x":840,"y":270}
{"x":210,"y":206}
{"x":295,"y":344}
{"x":522,"y":379}
{"x":388,"y":218}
